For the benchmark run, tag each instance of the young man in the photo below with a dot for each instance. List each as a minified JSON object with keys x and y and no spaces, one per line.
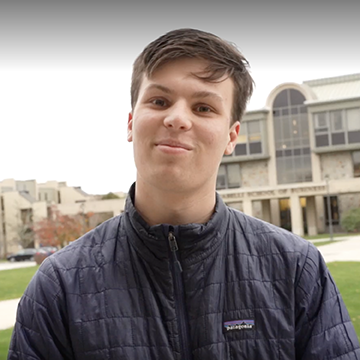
{"x":179,"y":275}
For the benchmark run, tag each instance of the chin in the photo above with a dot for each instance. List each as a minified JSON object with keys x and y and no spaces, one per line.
{"x":172,"y":181}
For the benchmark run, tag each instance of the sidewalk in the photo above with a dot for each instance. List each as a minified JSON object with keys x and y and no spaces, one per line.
{"x":343,"y":249}
{"x":8,"y":313}
{"x":16,"y":265}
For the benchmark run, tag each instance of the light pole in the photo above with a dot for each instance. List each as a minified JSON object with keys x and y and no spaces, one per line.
{"x":329,"y":207}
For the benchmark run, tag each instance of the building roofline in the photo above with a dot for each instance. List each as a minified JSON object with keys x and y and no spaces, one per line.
{"x":332,"y":80}
{"x":321,"y":102}
{"x":254,"y":111}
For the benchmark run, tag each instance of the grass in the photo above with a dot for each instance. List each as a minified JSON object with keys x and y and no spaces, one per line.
{"x":14,"y":282}
{"x":322,"y":243}
{"x":5,"y":336}
{"x":346,"y":276}
{"x":327,"y":236}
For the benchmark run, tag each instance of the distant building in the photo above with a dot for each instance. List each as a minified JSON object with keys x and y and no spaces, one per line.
{"x":306,"y":138}
{"x":23,"y":203}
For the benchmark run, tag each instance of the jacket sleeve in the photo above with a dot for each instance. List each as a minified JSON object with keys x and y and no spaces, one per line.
{"x":40,"y":330}
{"x":323,"y":327}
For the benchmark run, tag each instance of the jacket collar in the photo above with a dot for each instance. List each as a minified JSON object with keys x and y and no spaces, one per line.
{"x":195,"y":241}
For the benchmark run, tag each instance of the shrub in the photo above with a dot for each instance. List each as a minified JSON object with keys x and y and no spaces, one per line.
{"x":351,"y":220}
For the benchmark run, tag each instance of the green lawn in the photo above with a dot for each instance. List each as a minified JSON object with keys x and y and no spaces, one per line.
{"x":5,"y":336}
{"x":326,"y":236}
{"x":322,"y":243}
{"x":346,"y":276}
{"x":13,"y":282}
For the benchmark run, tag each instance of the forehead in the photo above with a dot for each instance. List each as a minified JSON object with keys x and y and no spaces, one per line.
{"x":187,"y":71}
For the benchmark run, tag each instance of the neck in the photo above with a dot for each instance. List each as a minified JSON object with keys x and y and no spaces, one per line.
{"x":159,"y":206}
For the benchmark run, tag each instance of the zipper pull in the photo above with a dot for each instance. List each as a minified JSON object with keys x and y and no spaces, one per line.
{"x":174,"y":248}
{"x":172,"y":242}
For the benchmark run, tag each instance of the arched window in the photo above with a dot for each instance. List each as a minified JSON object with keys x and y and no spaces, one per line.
{"x":292,"y":139}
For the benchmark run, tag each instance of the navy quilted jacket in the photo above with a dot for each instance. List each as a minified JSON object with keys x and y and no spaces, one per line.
{"x":235,"y":288}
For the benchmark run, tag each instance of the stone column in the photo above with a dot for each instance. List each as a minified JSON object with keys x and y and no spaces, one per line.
{"x":275,"y":212}
{"x":320,"y":213}
{"x":2,"y":237}
{"x":297,"y":224}
{"x":311,"y":215}
{"x":265,"y":209}
{"x":247,"y":206}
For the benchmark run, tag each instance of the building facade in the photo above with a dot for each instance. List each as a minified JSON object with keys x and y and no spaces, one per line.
{"x":23,"y":203}
{"x":297,"y":160}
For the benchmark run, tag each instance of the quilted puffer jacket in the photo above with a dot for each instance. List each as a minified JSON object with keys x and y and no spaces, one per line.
{"x":234,"y":288}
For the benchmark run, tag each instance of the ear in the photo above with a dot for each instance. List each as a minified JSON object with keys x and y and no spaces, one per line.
{"x":129,"y":128}
{"x":233,"y":136}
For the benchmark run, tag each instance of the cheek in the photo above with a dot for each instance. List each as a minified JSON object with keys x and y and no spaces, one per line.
{"x":217,"y":138}
{"x":143,"y":125}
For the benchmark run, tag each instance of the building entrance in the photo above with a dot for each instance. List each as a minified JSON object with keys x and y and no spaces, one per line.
{"x":285,"y":214}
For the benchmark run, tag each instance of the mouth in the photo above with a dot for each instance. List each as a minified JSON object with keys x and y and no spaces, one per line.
{"x":173,"y":144}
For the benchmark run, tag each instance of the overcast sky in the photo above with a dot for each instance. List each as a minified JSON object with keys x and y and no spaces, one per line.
{"x":65,"y":71}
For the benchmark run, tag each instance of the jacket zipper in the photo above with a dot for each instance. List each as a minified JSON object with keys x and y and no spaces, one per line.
{"x":180,"y":299}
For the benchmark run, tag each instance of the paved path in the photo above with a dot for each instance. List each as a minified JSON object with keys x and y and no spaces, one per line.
{"x":348,"y":249}
{"x":8,"y":313}
{"x":345,"y":250}
{"x":16,"y":265}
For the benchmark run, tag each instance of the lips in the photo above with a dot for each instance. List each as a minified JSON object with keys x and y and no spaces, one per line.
{"x":174,"y":144}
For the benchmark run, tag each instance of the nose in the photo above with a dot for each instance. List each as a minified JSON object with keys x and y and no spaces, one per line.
{"x":178,"y":117}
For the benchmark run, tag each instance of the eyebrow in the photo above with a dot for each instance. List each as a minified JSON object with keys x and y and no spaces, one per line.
{"x":204,"y":94}
{"x":197,"y":94}
{"x":159,"y":87}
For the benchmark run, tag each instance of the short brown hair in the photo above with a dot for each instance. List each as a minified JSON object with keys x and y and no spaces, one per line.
{"x":223,"y":57}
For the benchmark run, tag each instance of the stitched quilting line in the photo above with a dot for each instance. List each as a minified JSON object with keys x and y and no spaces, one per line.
{"x":131,"y":321}
{"x":189,"y":291}
{"x":108,"y":337}
{"x":128,"y":346}
{"x":227,"y":255}
{"x":172,"y":319}
{"x":28,"y":356}
{"x":339,"y":356}
{"x":230,"y":341}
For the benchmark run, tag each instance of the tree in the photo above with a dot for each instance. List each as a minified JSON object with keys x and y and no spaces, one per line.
{"x":351,"y":220}
{"x":109,"y":196}
{"x":59,"y":229}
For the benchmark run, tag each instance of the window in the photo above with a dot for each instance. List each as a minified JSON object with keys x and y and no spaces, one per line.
{"x":336,"y":121}
{"x":321,"y":124}
{"x":250,"y":140}
{"x":291,"y":135}
{"x":338,"y":127}
{"x":289,"y":98}
{"x":228,"y":176}
{"x":356,"y":162}
{"x":254,"y":134}
{"x":353,"y":125}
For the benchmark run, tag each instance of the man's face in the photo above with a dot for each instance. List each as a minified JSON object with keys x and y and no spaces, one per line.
{"x":180,"y":127}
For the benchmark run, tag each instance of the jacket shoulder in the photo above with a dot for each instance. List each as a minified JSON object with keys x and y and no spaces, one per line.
{"x":259,"y":233}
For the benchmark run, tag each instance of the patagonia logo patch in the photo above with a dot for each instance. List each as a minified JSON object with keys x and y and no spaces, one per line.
{"x":239,"y":325}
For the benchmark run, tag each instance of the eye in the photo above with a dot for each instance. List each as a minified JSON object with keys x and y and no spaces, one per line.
{"x":203,"y":108}
{"x":158,"y":102}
